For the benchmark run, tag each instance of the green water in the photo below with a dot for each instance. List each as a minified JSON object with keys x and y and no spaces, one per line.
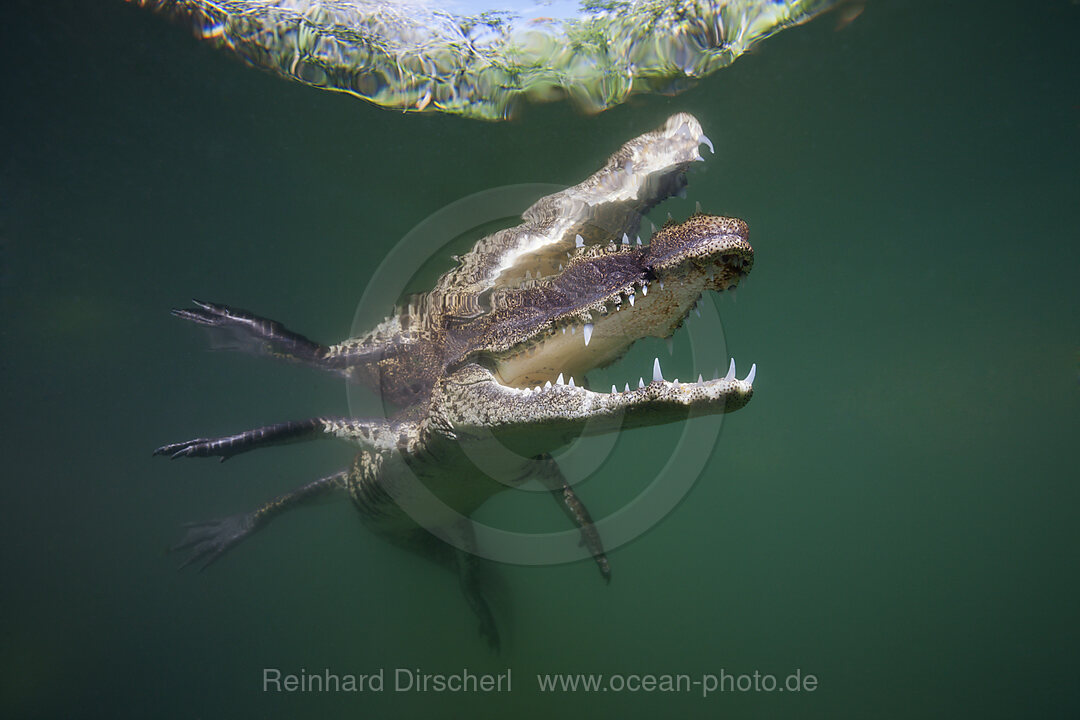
{"x":895,"y":512}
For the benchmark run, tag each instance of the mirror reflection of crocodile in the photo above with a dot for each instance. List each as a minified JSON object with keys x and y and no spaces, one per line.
{"x":498,"y":351}
{"x":481,"y":59}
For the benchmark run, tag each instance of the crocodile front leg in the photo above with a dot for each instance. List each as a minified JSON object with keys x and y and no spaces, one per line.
{"x":208,"y":541}
{"x":366,"y":433}
{"x":238,"y":329}
{"x":551,"y":476}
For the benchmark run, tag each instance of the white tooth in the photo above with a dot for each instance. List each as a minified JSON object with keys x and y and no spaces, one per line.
{"x":730,"y":371}
{"x":706,"y":141}
{"x":697,"y":207}
{"x":625,"y":240}
{"x":630,"y":297}
{"x":751,"y":375}
{"x":638,"y":239}
{"x":651,"y":225}
{"x":560,"y":266}
{"x":641,"y":382}
{"x":559,"y":380}
{"x":716,"y":373}
{"x":571,"y":383}
{"x":537,"y":388}
{"x":675,"y":382}
{"x":587,"y":332}
{"x":573,"y":329}
{"x":564,"y":330}
{"x":661,"y":284}
{"x":671,"y":345}
{"x":579,"y":241}
{"x":547,"y":384}
{"x":528,"y":275}
{"x":657,"y":376}
{"x":614,"y":390}
{"x":627,"y":388}
{"x":644,"y":289}
{"x":699,"y":379}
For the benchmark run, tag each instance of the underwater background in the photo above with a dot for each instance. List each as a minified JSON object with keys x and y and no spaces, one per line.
{"x":895,"y":512}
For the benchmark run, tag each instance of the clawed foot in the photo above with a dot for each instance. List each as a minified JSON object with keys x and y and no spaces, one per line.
{"x":207,"y":541}
{"x":212,"y":314}
{"x":199,"y":447}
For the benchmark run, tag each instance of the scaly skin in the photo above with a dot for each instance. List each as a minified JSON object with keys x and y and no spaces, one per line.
{"x":496,"y":355}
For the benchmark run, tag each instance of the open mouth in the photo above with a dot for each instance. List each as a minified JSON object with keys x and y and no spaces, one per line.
{"x":622,"y":293}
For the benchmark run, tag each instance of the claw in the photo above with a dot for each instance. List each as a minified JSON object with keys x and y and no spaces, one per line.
{"x":211,"y":539}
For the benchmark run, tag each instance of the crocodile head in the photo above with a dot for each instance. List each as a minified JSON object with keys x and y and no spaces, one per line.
{"x":546,"y":328}
{"x":528,"y":384}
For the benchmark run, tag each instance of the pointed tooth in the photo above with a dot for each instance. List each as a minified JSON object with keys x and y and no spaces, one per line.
{"x":661,"y":284}
{"x":587,"y":332}
{"x":638,"y":239}
{"x":579,"y":241}
{"x":547,"y":384}
{"x":699,"y":379}
{"x":644,"y":289}
{"x":560,"y":266}
{"x":651,"y":225}
{"x":716,"y":373}
{"x":657,"y":376}
{"x":571,"y":383}
{"x":625,"y":239}
{"x":559,"y":380}
{"x":627,"y":388}
{"x":630,"y":297}
{"x":671,"y":345}
{"x":730,"y":371}
{"x":614,"y":390}
{"x":564,"y":330}
{"x":537,"y":388}
{"x":706,"y":141}
{"x":641,"y":382}
{"x":751,"y":375}
{"x":697,"y":207}
{"x":675,"y":382}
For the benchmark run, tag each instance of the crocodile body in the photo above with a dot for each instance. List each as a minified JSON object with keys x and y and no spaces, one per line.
{"x":496,"y":355}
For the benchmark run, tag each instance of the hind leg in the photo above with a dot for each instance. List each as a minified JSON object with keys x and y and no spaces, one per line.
{"x":207,"y":541}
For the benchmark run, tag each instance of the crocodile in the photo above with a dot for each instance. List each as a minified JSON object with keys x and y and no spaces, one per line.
{"x":496,"y":354}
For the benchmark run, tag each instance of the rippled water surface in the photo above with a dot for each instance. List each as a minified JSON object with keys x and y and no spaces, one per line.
{"x":894,"y":513}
